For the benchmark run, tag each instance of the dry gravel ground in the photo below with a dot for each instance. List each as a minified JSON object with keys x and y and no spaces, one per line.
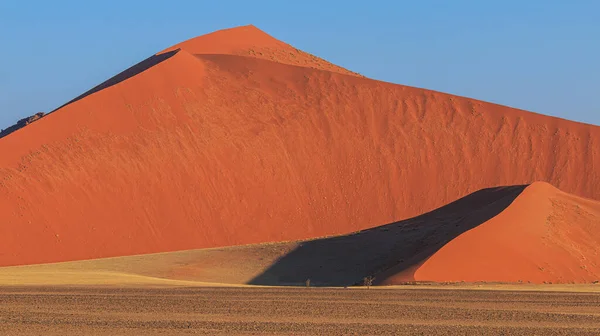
{"x":295,"y":311}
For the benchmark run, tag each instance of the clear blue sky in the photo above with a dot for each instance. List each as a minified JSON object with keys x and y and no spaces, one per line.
{"x":538,"y":55}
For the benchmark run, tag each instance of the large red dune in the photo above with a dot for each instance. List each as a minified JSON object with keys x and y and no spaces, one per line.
{"x":235,"y":138}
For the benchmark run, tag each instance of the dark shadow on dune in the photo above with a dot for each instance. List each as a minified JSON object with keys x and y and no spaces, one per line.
{"x":346,"y":260}
{"x":130,"y":72}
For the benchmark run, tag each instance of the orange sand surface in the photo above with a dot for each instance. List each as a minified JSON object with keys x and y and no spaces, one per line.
{"x":212,"y":144}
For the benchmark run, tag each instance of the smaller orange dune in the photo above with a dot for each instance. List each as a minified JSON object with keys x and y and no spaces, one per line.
{"x":544,"y":236}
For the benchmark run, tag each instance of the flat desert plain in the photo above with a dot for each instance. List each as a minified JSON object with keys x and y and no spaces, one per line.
{"x":416,"y":310}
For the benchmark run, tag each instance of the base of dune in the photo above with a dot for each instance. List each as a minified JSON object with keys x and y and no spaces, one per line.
{"x":518,"y":237}
{"x":94,"y":274}
{"x":88,"y":276}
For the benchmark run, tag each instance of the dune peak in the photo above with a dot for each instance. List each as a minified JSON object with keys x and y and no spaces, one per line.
{"x":235,"y":37}
{"x":542,"y":186}
{"x":253,"y":42}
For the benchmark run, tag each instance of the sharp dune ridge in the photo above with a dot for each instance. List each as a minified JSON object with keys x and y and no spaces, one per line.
{"x":237,"y":138}
{"x":252,"y":42}
{"x":449,"y":244}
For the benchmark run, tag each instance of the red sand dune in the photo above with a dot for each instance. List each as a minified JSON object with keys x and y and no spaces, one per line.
{"x":220,"y":149}
{"x":545,"y":235}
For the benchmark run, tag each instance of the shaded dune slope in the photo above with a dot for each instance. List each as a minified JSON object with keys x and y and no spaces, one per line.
{"x":215,"y":150}
{"x":491,"y":235}
{"x":346,"y":260}
{"x":128,"y":73}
